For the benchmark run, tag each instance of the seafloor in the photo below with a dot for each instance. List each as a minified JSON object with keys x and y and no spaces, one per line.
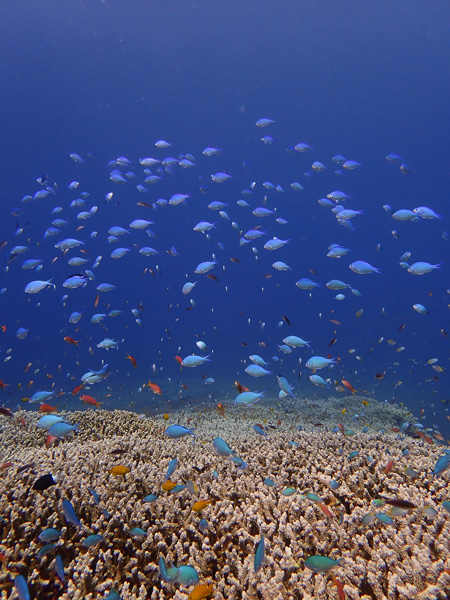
{"x":404,"y":560}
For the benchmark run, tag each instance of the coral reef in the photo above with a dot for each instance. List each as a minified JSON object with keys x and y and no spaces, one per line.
{"x":407,"y":559}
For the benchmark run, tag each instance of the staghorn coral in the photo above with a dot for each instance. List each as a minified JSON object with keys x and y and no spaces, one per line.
{"x":404,"y":560}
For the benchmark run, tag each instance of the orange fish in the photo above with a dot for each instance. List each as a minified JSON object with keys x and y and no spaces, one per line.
{"x":326,"y":511}
{"x":241,"y":388}
{"x":96,"y":300}
{"x":132,"y":360}
{"x":389,"y":466}
{"x":425,"y":437}
{"x":46,"y":408}
{"x":3,"y":385}
{"x":49,"y":440}
{"x":168,"y":485}
{"x":200,"y":505}
{"x":90,"y":400}
{"x":221,"y":409}
{"x":201,"y":591}
{"x":340,"y":587}
{"x":3,"y":328}
{"x":178,"y":359}
{"x":70,"y":340}
{"x":348,"y":385}
{"x":154,"y":387}
{"x":27,"y":367}
{"x":76,"y":390}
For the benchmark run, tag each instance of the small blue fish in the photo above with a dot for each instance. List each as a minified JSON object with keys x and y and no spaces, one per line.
{"x":383,"y":518}
{"x":442,"y":465}
{"x":284,"y":386}
{"x":61,"y":430}
{"x":167,"y":575}
{"x":203,"y":525}
{"x":113,"y":595}
{"x":172,"y":466}
{"x":150,"y":498}
{"x":21,"y":585}
{"x":187,"y":575}
{"x":256,"y":371}
{"x":259,"y":555}
{"x":177,"y":489}
{"x":49,"y":535}
{"x":69,"y":513}
{"x":321,"y":564}
{"x":59,"y":568}
{"x":92,"y":540}
{"x":45,"y":550}
{"x":138,"y":532}
{"x":221,"y":447}
{"x":178,"y":431}
{"x":94,"y":496}
{"x":269,"y":482}
{"x":259,"y":430}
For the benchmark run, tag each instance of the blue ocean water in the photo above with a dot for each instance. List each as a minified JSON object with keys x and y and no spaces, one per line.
{"x":109,"y":79}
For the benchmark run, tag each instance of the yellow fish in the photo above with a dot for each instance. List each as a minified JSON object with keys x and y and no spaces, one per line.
{"x":365,"y":403}
{"x":343,"y":411}
{"x":120,"y":470}
{"x":168,"y":485}
{"x":201,"y":590}
{"x":166,"y":416}
{"x":200,"y":505}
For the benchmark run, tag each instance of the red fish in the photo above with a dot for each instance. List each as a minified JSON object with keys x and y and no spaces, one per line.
{"x":70,"y":340}
{"x":221,"y":409}
{"x":76,"y":390}
{"x":154,"y":387}
{"x":326,"y":511}
{"x":90,"y":400}
{"x":389,"y":466}
{"x":49,"y":440}
{"x":178,"y":359}
{"x":241,"y":388}
{"x":348,"y":385}
{"x":46,"y":408}
{"x":132,"y":360}
{"x":3,"y":384}
{"x":340,"y":587}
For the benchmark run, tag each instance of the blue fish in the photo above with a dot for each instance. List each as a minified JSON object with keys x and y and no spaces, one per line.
{"x":167,"y":575}
{"x":203,"y":525}
{"x":69,"y":513}
{"x":21,"y":585}
{"x":187,"y":575}
{"x":113,"y":595}
{"x":442,"y":465}
{"x":49,"y":535}
{"x":45,"y":550}
{"x":92,"y":540}
{"x":259,"y":430}
{"x":150,"y":498}
{"x":221,"y":447}
{"x":178,"y":431}
{"x":138,"y":532}
{"x":61,"y":430}
{"x":269,"y":482}
{"x":172,"y":466}
{"x":94,"y":496}
{"x":259,"y":555}
{"x":59,"y":568}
